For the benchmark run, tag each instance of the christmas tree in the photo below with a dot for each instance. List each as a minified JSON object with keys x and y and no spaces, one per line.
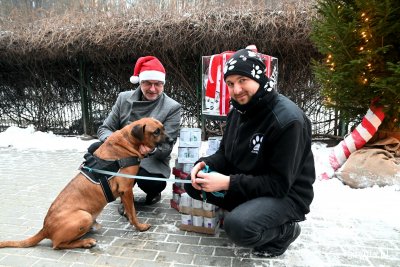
{"x":360,"y":44}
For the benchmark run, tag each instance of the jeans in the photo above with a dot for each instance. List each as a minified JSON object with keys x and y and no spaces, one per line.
{"x":255,"y":222}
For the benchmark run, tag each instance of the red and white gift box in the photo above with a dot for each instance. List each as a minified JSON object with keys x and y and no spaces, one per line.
{"x":215,"y":92}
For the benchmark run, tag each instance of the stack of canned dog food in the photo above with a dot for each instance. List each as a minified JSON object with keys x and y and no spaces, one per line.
{"x":188,"y":154}
{"x":196,"y":215}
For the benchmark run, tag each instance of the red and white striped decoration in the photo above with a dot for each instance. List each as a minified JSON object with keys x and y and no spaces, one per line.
{"x":355,"y":140}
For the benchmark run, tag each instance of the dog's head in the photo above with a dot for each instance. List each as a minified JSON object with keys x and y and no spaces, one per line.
{"x":150,"y":132}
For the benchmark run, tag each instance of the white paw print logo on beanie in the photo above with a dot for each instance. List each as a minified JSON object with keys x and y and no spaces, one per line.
{"x":230,"y":65}
{"x":256,"y":71}
{"x":252,"y":54}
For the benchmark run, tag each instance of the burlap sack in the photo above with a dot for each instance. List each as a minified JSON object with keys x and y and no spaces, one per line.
{"x":376,"y":164}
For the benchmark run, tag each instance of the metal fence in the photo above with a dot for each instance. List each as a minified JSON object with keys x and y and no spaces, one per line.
{"x":70,"y":100}
{"x":71,"y":114}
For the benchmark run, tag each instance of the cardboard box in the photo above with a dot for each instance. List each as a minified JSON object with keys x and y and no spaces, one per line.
{"x":198,"y":212}
{"x":190,"y":137}
{"x":196,"y":216}
{"x":193,"y":228}
{"x":177,"y":187}
{"x":214,"y":142}
{"x":174,"y":205}
{"x":199,"y":229}
{"x":188,"y":154}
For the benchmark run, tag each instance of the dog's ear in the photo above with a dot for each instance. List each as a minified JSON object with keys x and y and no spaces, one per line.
{"x":138,"y":131}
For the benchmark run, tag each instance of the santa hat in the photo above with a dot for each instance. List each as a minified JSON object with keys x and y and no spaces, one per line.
{"x":148,"y":68}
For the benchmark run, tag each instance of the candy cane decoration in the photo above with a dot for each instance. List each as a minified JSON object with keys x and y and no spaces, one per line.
{"x":355,"y":140}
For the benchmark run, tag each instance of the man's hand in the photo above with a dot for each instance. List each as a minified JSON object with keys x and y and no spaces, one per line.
{"x":193,"y":174}
{"x":208,"y":182}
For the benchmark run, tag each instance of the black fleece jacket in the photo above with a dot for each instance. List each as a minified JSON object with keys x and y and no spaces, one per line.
{"x":267,"y":152}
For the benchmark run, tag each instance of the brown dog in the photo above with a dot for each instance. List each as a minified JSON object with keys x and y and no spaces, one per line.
{"x":74,"y":211}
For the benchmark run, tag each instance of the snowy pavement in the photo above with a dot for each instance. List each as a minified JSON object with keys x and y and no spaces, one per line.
{"x":346,"y":227}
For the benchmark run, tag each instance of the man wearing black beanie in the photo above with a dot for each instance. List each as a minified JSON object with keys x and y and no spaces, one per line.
{"x":263,"y":171}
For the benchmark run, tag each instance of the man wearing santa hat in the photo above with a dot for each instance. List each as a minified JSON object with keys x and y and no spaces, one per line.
{"x":148,"y":100}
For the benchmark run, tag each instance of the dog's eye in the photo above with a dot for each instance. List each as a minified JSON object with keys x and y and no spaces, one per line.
{"x":157,"y":132}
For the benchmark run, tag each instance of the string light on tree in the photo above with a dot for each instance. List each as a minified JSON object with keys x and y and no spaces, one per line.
{"x":360,"y":42}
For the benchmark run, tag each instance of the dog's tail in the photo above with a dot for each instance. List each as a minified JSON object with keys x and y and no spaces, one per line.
{"x":29,"y":242}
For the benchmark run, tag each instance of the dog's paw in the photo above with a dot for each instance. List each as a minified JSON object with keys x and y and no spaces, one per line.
{"x":143,"y":227}
{"x":95,"y":226}
{"x":89,"y":242}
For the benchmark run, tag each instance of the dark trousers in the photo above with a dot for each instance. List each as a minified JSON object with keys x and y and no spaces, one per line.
{"x":255,"y":222}
{"x":151,"y":188}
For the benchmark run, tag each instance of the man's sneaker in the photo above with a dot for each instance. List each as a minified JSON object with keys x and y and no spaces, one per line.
{"x":152,"y":199}
{"x":292,"y":231}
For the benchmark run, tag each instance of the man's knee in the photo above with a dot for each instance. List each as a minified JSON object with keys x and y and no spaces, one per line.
{"x":192,"y":192}
{"x":240,"y":231}
{"x":150,"y":186}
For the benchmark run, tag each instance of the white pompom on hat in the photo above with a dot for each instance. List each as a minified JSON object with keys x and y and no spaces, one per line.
{"x":252,"y":48}
{"x":148,"y":68}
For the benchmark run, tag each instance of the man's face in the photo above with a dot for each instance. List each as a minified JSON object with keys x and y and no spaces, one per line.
{"x":241,"y":88}
{"x":151,"y":89}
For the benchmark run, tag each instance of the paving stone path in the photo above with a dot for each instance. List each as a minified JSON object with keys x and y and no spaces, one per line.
{"x":31,"y":179}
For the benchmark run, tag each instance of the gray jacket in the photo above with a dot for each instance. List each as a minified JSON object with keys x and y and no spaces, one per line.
{"x":129,"y":108}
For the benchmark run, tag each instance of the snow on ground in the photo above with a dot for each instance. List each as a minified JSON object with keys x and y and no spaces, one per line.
{"x":331,"y":196}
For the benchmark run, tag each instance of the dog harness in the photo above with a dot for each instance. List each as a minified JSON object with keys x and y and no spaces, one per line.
{"x":91,"y":161}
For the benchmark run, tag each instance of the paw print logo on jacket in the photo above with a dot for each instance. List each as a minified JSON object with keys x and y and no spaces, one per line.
{"x":255,"y":143}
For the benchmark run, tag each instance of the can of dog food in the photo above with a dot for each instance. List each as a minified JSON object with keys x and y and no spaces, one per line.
{"x":186,"y":219}
{"x":186,"y":200}
{"x":176,"y":198}
{"x":210,"y":222}
{"x":208,"y":206}
{"x":197,"y":220}
{"x":187,"y":167}
{"x":197,"y":204}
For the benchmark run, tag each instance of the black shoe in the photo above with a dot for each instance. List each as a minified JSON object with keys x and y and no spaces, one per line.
{"x":292,"y":231}
{"x":152,"y":199}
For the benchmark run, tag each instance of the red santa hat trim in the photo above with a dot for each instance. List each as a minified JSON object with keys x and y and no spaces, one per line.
{"x":148,"y":68}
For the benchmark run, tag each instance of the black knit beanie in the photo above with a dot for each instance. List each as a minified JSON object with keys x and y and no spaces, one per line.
{"x":248,"y":63}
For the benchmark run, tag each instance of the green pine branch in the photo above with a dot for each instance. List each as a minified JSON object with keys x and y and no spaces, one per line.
{"x":359,"y":40}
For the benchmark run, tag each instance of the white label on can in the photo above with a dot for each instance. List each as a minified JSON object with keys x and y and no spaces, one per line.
{"x":210,"y":222}
{"x":197,"y":220}
{"x":197,"y":204}
{"x":186,"y":219}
